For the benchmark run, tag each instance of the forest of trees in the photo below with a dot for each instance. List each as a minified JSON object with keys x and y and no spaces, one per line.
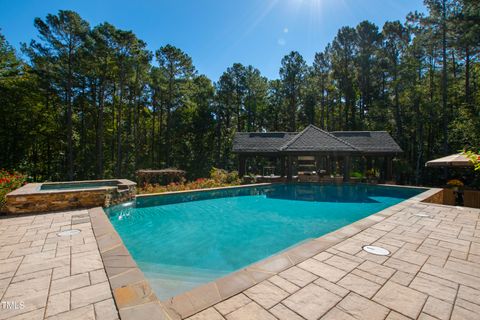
{"x":84,"y":102}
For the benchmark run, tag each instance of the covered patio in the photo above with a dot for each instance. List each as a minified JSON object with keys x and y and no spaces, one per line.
{"x":316,"y":155}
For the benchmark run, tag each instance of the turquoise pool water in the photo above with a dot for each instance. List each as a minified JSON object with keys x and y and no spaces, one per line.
{"x":182,"y":241}
{"x":78,"y":185}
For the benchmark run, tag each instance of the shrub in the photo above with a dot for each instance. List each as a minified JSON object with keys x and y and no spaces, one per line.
{"x":9,"y":181}
{"x":372,"y":173}
{"x":218,"y":178}
{"x":356,"y":174}
{"x":455,"y":183}
{"x":223,"y":176}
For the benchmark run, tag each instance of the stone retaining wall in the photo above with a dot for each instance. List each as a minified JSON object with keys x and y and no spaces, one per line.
{"x":444,"y":196}
{"x":29,"y":200}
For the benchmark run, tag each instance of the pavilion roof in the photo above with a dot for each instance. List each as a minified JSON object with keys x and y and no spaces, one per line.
{"x":314,"y":139}
{"x":370,"y":141}
{"x":317,"y":140}
{"x":261,"y":141}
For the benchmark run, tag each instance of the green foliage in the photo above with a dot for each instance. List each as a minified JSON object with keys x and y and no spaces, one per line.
{"x":223,"y":176}
{"x":474,"y":158}
{"x":356,"y":174}
{"x":292,"y":75}
{"x":372,"y":173}
{"x":90,"y":102}
{"x":218,"y":178}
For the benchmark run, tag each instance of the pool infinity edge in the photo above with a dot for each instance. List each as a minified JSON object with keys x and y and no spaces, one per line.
{"x":135,"y":298}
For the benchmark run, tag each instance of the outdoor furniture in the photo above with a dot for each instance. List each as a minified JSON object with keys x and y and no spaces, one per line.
{"x":308,"y":178}
{"x":355,"y":179}
{"x":321,"y":173}
{"x":327,"y":179}
{"x":268,"y":171}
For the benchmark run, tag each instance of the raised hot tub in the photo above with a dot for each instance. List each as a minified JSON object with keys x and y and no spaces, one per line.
{"x":57,"y":196}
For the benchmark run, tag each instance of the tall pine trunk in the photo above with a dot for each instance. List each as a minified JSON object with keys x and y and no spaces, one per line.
{"x":69,"y":113}
{"x":444,"y":79}
{"x":99,"y":133}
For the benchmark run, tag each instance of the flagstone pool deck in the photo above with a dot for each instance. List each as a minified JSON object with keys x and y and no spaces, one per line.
{"x":433,"y":272}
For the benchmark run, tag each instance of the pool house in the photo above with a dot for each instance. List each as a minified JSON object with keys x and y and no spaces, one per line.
{"x":314,"y":154}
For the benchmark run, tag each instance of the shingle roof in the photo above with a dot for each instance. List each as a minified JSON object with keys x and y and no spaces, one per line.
{"x":315,"y":139}
{"x":370,"y":141}
{"x":261,"y":141}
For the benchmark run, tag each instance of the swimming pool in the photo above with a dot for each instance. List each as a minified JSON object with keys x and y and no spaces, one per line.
{"x":183,"y":240}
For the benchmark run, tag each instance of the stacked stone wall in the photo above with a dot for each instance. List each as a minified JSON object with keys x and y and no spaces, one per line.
{"x":23,"y":202}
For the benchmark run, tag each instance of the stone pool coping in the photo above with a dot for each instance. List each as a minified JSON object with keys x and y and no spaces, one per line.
{"x":132,"y":293}
{"x":263,"y":184}
{"x":135,"y":298}
{"x":147,"y":195}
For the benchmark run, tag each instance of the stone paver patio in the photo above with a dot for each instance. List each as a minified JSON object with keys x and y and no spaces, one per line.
{"x":44,"y":276}
{"x":433,"y":272}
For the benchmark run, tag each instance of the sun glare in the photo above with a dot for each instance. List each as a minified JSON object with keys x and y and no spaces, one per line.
{"x":315,"y":4}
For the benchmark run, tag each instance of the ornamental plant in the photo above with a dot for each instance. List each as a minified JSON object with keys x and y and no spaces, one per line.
{"x":9,"y":181}
{"x":218,"y":178}
{"x":372,"y":173}
{"x":356,"y":174}
{"x":455,"y":183}
{"x":474,"y":158}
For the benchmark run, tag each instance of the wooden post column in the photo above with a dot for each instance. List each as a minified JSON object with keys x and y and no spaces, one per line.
{"x":363,"y":165}
{"x":346,"y":168}
{"x":318,"y":162}
{"x":389,"y":167}
{"x":289,"y":168}
{"x":242,"y":160}
{"x":335,"y":164}
{"x":383,"y":170}
{"x":328,"y":165}
{"x":369,"y":161}
{"x":282,"y":166}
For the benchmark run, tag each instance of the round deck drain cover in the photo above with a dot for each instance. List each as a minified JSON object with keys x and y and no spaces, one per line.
{"x":67,"y":233}
{"x":422,"y":215}
{"x":379,"y":251}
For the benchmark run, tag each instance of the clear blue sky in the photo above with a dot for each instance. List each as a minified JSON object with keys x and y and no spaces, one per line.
{"x":217,"y":33}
